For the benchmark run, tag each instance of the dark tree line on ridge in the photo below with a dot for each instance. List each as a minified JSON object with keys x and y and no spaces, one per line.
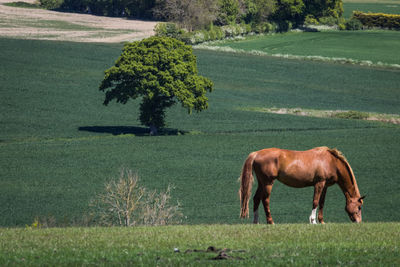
{"x":198,"y":14}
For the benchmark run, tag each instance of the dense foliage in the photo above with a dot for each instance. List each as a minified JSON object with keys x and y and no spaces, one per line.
{"x":198,"y":14}
{"x":160,"y":70}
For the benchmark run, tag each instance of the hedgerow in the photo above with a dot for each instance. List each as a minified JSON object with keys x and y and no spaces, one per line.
{"x":381,"y":20}
{"x":213,"y":33}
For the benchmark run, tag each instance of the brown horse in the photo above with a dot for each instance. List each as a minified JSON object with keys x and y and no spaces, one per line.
{"x":319,"y":167}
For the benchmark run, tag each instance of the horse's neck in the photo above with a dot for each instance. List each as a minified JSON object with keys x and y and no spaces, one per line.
{"x":348,"y":184}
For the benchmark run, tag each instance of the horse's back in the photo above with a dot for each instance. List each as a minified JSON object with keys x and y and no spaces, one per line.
{"x":296,"y":168}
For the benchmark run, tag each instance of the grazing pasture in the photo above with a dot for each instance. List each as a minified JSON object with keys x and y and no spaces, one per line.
{"x":374,"y":46}
{"x":371,"y":244}
{"x":59,"y":144}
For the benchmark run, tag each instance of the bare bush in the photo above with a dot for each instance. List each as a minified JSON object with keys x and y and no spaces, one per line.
{"x":125,"y":203}
{"x":158,"y":211}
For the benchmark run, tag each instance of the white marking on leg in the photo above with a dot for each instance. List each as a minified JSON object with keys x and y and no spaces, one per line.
{"x":313,"y":216}
{"x":255,"y":217}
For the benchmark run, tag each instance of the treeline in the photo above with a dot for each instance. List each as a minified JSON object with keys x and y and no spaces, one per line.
{"x":198,"y":14}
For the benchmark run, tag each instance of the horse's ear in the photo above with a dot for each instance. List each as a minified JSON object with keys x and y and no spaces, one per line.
{"x":361,"y":199}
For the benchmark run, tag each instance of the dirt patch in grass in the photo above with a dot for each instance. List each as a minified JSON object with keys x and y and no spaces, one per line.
{"x":341,"y":114}
{"x":221,"y":254}
{"x":28,"y":23}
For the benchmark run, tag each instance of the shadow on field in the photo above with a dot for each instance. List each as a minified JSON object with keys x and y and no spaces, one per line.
{"x":138,"y":131}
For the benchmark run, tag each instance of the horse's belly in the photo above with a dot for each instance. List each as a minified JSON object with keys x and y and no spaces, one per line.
{"x":299,"y":180}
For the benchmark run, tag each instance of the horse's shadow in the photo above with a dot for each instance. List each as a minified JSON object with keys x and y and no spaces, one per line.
{"x":137,"y":131}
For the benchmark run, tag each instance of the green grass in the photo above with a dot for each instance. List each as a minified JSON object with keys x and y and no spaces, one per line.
{"x":59,"y":144}
{"x":371,"y":244}
{"x":375,"y":46}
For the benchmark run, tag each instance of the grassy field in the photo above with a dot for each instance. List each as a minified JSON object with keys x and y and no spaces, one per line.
{"x":59,"y":144}
{"x":372,"y":244}
{"x":374,"y":46}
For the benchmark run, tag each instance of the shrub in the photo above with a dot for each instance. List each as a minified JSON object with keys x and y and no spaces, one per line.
{"x":370,"y":20}
{"x":125,"y":203}
{"x":310,"y":20}
{"x":247,"y":28}
{"x":218,"y":33}
{"x":353,"y":24}
{"x":157,"y":210}
{"x":187,"y":38}
{"x":51,"y":4}
{"x":265,"y":27}
{"x":229,"y":30}
{"x":168,"y":29}
{"x":284,"y":26}
{"x":355,"y":115}
{"x":341,"y":26}
{"x":330,"y":21}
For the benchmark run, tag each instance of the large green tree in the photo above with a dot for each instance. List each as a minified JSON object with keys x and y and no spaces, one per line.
{"x":257,"y":11}
{"x":228,"y":12}
{"x":161,"y":71}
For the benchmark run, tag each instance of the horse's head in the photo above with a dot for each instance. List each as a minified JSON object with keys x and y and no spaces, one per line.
{"x":353,"y":208}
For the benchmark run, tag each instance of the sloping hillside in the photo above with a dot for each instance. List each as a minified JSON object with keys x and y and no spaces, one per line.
{"x":32,"y":23}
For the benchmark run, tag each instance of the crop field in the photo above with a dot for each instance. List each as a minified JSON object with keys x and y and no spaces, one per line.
{"x":372,"y":46}
{"x":385,"y":6}
{"x":59,"y":144}
{"x":368,"y":244}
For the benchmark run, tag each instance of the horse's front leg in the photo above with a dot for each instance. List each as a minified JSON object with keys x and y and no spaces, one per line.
{"x":318,"y":188}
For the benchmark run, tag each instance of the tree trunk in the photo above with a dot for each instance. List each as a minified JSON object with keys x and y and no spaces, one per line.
{"x":153,"y":130}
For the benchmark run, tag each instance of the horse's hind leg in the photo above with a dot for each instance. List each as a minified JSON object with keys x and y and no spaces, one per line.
{"x":256,"y":201}
{"x":265,"y":200}
{"x":321,"y":206}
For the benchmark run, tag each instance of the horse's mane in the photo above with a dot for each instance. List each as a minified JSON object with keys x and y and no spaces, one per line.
{"x":341,"y":157}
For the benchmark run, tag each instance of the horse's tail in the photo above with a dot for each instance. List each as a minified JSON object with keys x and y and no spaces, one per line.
{"x":246,"y":182}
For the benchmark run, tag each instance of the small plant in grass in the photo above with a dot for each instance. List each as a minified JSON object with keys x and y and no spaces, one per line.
{"x":35,"y":224}
{"x":125,"y":203}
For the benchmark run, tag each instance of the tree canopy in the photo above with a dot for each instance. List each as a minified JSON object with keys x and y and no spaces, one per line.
{"x":160,"y":70}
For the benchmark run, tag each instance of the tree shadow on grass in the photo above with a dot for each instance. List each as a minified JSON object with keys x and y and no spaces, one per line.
{"x":137,"y":131}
